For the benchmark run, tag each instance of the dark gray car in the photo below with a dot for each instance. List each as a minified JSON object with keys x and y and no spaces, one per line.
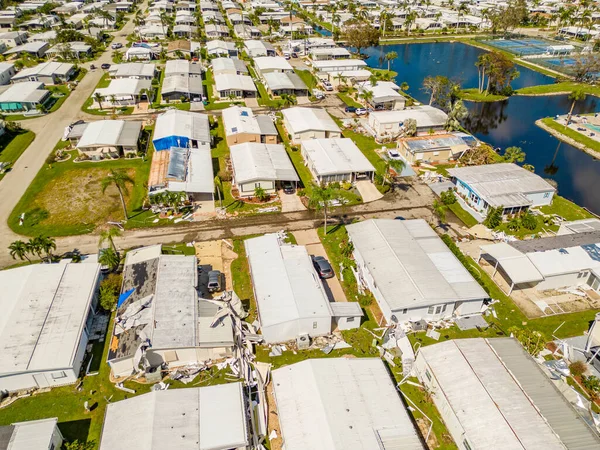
{"x":215,"y":281}
{"x":323,"y":267}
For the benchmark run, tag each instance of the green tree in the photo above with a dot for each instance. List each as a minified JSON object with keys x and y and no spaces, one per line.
{"x":360,"y":34}
{"x":109,"y":235}
{"x":514,"y":154}
{"x":110,"y":288}
{"x":494,"y":217}
{"x":219,"y":187}
{"x":319,"y":198}
{"x":98,"y":98}
{"x":389,"y":57}
{"x":119,"y":179}
{"x":529,"y":221}
{"x":47,"y":245}
{"x":34,"y":245}
{"x":19,"y":249}
{"x":457,"y":113}
{"x":439,"y":210}
{"x":448,"y":197}
{"x":397,"y":165}
{"x":367,"y":96}
{"x":574,"y":96}
{"x":109,"y":258}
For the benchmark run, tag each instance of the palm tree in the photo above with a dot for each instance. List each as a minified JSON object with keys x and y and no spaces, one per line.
{"x":260,"y":193}
{"x":98,"y":98}
{"x":409,"y":20}
{"x":462,"y":8}
{"x":109,"y":258}
{"x":457,"y":113}
{"x":109,"y":235}
{"x":219,"y":186}
{"x":514,"y":154}
{"x":19,"y":249}
{"x":47,"y":244}
{"x":575,"y":96}
{"x":397,"y":165}
{"x":319,"y":198}
{"x":404,"y":86}
{"x":390,"y":56}
{"x":288,"y":99}
{"x":119,"y":179}
{"x":164,"y":19}
{"x":366,"y":95}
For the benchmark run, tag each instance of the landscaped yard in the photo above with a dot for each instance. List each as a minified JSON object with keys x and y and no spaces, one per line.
{"x":348,"y":100}
{"x":66,"y":199}
{"x":463,"y":215}
{"x":566,"y":209}
{"x":13,"y":144}
{"x":90,"y":102}
{"x":474,"y":95}
{"x":565,"y":86}
{"x":308,"y":78}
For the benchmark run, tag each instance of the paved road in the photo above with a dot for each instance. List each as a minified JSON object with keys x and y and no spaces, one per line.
{"x":48,"y":129}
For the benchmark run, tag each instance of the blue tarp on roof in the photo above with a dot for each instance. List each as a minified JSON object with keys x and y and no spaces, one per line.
{"x":170,"y":141}
{"x":124,"y":296}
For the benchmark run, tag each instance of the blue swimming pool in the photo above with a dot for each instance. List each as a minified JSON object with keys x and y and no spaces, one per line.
{"x":592,"y":127}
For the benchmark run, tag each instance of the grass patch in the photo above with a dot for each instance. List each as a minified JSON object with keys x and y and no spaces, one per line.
{"x":66,"y":403}
{"x":302,"y":170}
{"x":570,"y":133}
{"x":473,"y":95}
{"x":87,"y":106}
{"x":308,"y":78}
{"x":66,"y":199}
{"x":242,"y":284}
{"x":178,"y":249}
{"x":563,"y":87}
{"x":523,"y":233}
{"x":264,"y":99}
{"x":566,"y":209}
{"x":13,"y":144}
{"x":348,"y":100}
{"x":463,"y":215}
{"x":369,"y":147}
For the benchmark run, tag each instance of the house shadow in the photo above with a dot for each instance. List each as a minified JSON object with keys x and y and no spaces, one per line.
{"x":75,"y":430}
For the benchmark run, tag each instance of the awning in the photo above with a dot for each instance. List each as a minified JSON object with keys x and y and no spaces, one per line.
{"x":517,"y":266}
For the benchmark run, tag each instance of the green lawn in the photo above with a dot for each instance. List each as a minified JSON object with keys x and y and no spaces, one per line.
{"x":87,"y":106}
{"x":66,"y":199}
{"x":242,"y":284}
{"x":67,"y":403}
{"x":368,"y":146}
{"x":563,"y":87}
{"x":263,"y":96}
{"x":293,"y":152}
{"x":473,"y":95}
{"x":208,"y":84}
{"x":570,"y":133}
{"x":13,"y":144}
{"x":348,"y":100}
{"x":463,"y":215}
{"x":308,"y":78}
{"x":566,"y":209}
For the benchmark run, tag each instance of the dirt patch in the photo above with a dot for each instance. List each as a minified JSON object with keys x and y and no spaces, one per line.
{"x":76,"y":197}
{"x":424,"y":425}
{"x":216,"y":255}
{"x":273,"y":420}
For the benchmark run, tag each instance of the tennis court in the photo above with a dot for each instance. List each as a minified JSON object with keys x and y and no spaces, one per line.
{"x":522,"y":47}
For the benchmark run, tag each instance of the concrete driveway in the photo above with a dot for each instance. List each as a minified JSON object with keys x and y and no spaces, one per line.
{"x":310,"y":239}
{"x":290,"y":202}
{"x":368,"y":191}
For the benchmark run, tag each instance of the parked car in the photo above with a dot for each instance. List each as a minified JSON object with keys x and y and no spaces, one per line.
{"x":294,"y":55}
{"x":323,"y":267}
{"x":393,"y":154}
{"x":215,"y":281}
{"x":116,"y":45}
{"x":105,"y":66}
{"x":350,"y":109}
{"x":318,"y":94}
{"x":327,"y":85}
{"x":360,"y":111}
{"x":288,"y":187}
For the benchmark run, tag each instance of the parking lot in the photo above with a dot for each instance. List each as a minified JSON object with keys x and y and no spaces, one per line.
{"x":310,"y":239}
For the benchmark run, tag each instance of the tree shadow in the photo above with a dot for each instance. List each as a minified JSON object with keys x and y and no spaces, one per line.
{"x":75,"y":429}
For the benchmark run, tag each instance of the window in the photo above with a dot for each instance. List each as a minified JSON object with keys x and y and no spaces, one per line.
{"x":430,"y":310}
{"x":405,"y":311}
{"x":314,"y":325}
{"x":427,"y":374}
{"x":59,"y":375}
{"x":350,"y":319}
{"x":546,"y":194}
{"x":444,"y":308}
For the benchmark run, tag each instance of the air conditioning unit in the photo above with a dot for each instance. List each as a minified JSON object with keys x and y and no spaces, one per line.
{"x":303,"y":341}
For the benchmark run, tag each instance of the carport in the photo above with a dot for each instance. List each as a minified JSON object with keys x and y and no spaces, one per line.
{"x":515,"y":265}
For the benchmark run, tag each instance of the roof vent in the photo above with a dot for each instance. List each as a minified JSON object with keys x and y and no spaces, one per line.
{"x":563,"y":251}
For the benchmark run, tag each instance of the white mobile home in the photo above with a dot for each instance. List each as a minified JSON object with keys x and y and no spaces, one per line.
{"x":309,"y":123}
{"x":390,"y":124}
{"x":32,"y":435}
{"x":342,"y":404}
{"x":291,"y":300}
{"x":491,"y":394}
{"x":47,"y":311}
{"x":411,"y":272}
{"x":160,"y":318}
{"x":201,"y":418}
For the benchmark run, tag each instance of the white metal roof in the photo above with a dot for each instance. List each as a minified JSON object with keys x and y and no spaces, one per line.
{"x":204,"y":418}
{"x":255,"y":161}
{"x":230,"y":81}
{"x":182,"y":84}
{"x":240,"y":119}
{"x":44,"y":308}
{"x":286,"y":285}
{"x":495,"y":404}
{"x":217,"y":45}
{"x":124,"y":86}
{"x":336,"y":156}
{"x":45,"y":69}
{"x":199,"y":177}
{"x":516,"y":265}
{"x":502,"y":184}
{"x":182,"y":123}
{"x":339,"y":64}
{"x":272,"y":63}
{"x":111,"y":132}
{"x":134,"y":69}
{"x":341,"y":404}
{"x":26,"y":91}
{"x":425,"y":115}
{"x":232,"y":65}
{"x":179,"y":66}
{"x":281,"y":80}
{"x":32,"y":435}
{"x":301,"y":119}
{"x":411,"y":265}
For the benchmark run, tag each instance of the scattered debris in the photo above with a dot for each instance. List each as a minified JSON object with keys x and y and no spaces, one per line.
{"x":123,"y":388}
{"x":276,"y":350}
{"x":435,"y":335}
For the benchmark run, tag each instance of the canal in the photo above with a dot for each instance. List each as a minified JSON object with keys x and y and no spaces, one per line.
{"x":507,"y":123}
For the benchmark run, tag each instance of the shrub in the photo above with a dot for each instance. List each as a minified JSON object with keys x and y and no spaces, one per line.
{"x":529,"y":221}
{"x":365,"y":300}
{"x":109,"y":291}
{"x":494,"y":217}
{"x":224,"y":175}
{"x":578,"y":368}
{"x":513,"y":224}
{"x":592,"y":385}
{"x":448,"y":197}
